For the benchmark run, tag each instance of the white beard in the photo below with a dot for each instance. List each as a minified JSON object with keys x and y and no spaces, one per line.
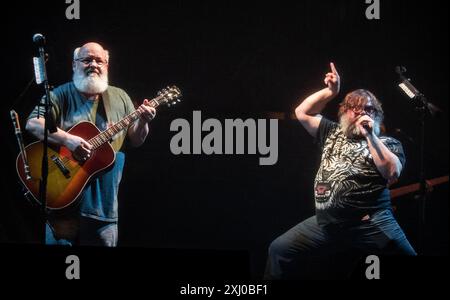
{"x":90,"y":84}
{"x":352,"y":131}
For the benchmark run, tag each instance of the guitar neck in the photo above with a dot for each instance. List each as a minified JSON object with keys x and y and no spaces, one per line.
{"x":109,"y":133}
{"x":416,"y":187}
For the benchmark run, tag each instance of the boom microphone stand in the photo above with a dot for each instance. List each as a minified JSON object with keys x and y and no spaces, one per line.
{"x":49,"y":125}
{"x":424,"y":108}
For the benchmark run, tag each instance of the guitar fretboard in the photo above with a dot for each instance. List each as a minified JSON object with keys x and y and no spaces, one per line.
{"x":106,"y":135}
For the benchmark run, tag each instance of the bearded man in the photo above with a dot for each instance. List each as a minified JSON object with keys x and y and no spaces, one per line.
{"x":352,"y":199}
{"x":88,"y":97}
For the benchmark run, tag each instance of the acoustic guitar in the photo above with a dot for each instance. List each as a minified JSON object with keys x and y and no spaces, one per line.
{"x":68,"y":176}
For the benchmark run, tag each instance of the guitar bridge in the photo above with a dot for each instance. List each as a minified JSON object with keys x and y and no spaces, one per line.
{"x":58,"y":162}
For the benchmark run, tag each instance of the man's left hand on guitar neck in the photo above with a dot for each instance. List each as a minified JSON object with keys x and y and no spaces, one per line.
{"x":148,"y":112}
{"x":139,"y":130}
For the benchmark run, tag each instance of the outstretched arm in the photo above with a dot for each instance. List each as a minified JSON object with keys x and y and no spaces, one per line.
{"x":308,"y":112}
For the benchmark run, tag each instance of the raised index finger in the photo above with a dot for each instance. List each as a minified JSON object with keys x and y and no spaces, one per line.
{"x":333,"y":68}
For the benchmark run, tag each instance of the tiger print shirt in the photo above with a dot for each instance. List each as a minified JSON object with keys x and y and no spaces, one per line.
{"x":348,"y":185}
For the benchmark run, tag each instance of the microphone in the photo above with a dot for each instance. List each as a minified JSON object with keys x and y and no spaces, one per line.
{"x":39,"y":70}
{"x":39,"y":62}
{"x":410,"y":90}
{"x":18,"y":132}
{"x":405,"y":85}
{"x":365,"y":125}
{"x":39,"y":39}
{"x":41,"y":74}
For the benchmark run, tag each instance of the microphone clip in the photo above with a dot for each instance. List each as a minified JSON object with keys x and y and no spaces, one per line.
{"x":413,"y":93}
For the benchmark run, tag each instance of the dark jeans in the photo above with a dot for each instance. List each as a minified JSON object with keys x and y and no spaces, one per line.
{"x":81,"y":231}
{"x":380,"y":234}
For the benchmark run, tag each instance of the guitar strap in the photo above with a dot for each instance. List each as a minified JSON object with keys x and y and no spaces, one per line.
{"x":107,"y":106}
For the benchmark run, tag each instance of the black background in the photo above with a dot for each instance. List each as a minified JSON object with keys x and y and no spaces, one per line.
{"x":235,"y":59}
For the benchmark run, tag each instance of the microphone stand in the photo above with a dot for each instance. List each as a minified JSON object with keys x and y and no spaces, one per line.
{"x":48,"y":126}
{"x":424,"y":108}
{"x":421,"y":109}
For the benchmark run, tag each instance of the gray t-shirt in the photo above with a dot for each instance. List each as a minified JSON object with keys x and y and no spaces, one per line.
{"x":70,"y":107}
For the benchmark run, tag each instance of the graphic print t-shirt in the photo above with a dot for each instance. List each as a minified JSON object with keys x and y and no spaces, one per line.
{"x":348,"y":185}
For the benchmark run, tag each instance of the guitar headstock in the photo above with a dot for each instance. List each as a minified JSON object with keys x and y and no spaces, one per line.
{"x":170,"y":95}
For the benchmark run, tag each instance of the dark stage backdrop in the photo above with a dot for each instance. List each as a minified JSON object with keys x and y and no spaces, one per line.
{"x":235,"y":59}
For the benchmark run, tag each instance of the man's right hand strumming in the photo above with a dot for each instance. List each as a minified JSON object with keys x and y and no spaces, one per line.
{"x":79,"y":147}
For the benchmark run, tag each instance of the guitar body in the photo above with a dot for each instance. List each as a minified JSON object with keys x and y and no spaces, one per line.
{"x":67,"y":177}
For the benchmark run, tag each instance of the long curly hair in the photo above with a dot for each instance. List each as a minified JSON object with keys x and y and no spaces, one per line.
{"x":359,"y":99}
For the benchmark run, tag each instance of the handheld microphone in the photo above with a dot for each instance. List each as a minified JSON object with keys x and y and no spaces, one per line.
{"x":18,"y":132}
{"x":365,"y":125}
